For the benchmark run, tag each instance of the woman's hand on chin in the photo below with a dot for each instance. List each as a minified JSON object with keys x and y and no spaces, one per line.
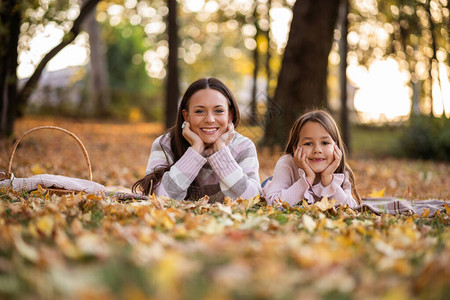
{"x":193,"y":138}
{"x":225,"y":138}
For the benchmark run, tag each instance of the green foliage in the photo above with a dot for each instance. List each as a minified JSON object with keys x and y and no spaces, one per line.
{"x":427,"y":138}
{"x":374,"y":141}
{"x":131,"y":87}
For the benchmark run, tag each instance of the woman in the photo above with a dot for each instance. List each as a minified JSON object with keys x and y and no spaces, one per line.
{"x":202,"y":154}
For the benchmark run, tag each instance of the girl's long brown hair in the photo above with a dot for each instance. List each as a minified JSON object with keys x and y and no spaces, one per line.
{"x":326,"y":120}
{"x":178,"y":144}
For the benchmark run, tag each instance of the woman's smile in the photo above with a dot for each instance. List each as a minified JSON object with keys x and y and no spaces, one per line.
{"x":210,"y":130}
{"x":208,"y":115}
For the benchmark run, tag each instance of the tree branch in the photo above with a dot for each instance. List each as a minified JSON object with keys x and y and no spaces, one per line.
{"x":68,"y":38}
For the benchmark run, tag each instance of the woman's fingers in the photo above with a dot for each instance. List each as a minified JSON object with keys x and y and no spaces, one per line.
{"x":230,"y":133}
{"x":193,"y":139}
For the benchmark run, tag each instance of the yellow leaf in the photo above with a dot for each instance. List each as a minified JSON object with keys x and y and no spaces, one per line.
{"x":397,"y":293}
{"x":305,"y":203}
{"x":361,"y":230}
{"x":228,"y":201}
{"x":426,"y":212}
{"x":157,"y":201}
{"x":66,"y":245}
{"x":324,"y":204}
{"x":167,"y":270}
{"x":377,"y":194}
{"x":309,"y":223}
{"x":41,"y":190}
{"x":202,"y":202}
{"x":278,"y":202}
{"x":167,"y":222}
{"x":36,"y":169}
{"x":94,"y":197}
{"x":253,"y":201}
{"x":45,"y":225}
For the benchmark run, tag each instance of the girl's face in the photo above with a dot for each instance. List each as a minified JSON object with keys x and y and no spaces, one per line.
{"x":208,"y":115}
{"x":318,"y":145}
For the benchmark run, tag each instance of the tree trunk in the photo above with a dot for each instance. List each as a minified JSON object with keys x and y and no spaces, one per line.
{"x":302,"y":79}
{"x":172,"y":87}
{"x":343,"y":48}
{"x":253,"y":112}
{"x":433,"y":60}
{"x":268,"y":55}
{"x":99,"y":93}
{"x":10,"y":17}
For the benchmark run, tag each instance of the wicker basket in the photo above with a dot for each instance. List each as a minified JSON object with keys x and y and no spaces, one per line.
{"x":8,"y":173}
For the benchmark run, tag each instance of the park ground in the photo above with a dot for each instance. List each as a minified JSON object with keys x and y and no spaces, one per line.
{"x":119,"y":152}
{"x":91,"y":247}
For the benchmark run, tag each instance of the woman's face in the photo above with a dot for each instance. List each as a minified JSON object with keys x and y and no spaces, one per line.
{"x":318,"y":145}
{"x":208,"y":115}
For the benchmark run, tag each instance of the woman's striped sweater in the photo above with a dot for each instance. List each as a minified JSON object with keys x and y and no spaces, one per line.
{"x":230,"y":172}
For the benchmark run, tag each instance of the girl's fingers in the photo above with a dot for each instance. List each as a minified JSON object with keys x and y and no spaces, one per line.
{"x":337,"y":150}
{"x":337,"y":153}
{"x":304,"y":157}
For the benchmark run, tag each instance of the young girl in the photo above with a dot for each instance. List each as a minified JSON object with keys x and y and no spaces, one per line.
{"x":202,"y":154}
{"x":314,"y":165}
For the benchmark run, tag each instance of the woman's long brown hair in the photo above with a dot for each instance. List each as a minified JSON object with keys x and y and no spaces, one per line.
{"x":178,"y":144}
{"x":326,"y":120}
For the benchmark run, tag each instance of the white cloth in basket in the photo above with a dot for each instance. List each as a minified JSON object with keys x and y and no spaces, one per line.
{"x":56,"y":181}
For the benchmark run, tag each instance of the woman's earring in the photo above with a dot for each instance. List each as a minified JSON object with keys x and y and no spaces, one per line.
{"x":183,"y":125}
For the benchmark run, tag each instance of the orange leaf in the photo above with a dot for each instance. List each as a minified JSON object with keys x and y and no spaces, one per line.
{"x":447,"y":209}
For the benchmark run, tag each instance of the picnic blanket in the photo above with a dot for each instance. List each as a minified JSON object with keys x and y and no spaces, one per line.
{"x":385,"y":205}
{"x":390,"y":205}
{"x":71,"y":184}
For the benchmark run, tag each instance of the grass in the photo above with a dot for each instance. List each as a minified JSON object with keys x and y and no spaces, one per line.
{"x":373,"y":141}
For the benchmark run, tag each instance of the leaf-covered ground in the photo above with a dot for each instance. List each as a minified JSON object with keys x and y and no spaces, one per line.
{"x":91,"y":247}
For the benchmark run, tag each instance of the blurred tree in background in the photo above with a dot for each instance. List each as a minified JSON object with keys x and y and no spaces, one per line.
{"x":99,"y":96}
{"x":414,"y":33}
{"x":131,"y":88}
{"x":19,"y":21}
{"x":243,"y":43}
{"x":302,"y":79}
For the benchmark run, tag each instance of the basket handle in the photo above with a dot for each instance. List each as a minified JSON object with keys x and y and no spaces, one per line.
{"x":83,"y":149}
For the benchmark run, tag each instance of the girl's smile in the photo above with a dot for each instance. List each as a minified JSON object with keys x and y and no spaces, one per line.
{"x":318,"y":145}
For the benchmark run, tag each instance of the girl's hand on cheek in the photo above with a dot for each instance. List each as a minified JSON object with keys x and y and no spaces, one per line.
{"x":301,"y":162}
{"x":298,"y":156}
{"x":192,"y":138}
{"x":225,"y":138}
{"x":327,"y":174}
